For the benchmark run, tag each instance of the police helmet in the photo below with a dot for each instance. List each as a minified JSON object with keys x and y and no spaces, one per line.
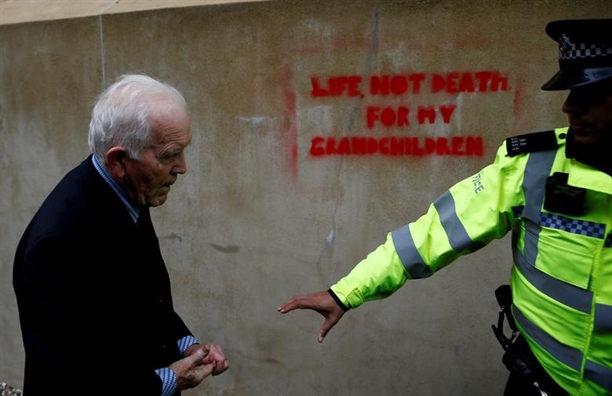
{"x":585,"y":52}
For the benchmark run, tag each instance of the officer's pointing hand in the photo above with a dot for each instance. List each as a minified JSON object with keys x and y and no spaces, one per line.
{"x":321,"y":302}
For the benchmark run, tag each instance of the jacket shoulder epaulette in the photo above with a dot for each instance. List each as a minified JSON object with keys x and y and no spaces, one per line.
{"x":531,"y":142}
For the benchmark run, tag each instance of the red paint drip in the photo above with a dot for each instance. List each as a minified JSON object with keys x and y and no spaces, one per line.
{"x":291,"y":114}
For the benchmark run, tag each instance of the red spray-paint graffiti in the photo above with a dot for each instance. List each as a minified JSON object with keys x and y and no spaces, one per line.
{"x":412,"y":83}
{"x":399,"y":116}
{"x":390,"y":116}
{"x":397,"y":146}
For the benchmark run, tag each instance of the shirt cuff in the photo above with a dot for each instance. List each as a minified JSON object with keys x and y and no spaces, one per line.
{"x":337,"y":300}
{"x":185,"y":343}
{"x":168,"y":379}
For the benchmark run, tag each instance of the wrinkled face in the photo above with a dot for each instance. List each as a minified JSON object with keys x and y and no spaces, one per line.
{"x":589,"y":110}
{"x":149,"y":177}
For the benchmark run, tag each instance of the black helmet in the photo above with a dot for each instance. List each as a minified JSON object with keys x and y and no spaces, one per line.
{"x":585,"y":52}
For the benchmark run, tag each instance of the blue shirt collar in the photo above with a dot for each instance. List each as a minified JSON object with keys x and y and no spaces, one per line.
{"x":133,"y":210}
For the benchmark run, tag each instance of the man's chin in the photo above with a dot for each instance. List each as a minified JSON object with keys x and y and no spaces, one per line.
{"x":157,"y":201}
{"x":583,"y":141}
{"x":584,"y":137}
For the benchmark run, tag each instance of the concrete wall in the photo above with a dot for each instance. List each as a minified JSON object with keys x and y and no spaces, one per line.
{"x":261,"y":216}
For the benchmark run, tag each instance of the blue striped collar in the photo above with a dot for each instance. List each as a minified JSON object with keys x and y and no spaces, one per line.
{"x":133,"y":210}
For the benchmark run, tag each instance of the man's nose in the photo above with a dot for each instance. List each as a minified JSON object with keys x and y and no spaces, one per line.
{"x":574,"y":103}
{"x":181,"y":165}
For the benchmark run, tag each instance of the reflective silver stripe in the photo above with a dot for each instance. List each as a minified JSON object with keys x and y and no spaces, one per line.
{"x":569,"y":295}
{"x":534,"y":183}
{"x":457,"y":235}
{"x":603,"y":317}
{"x":569,"y":356}
{"x":408,"y":254}
{"x":599,"y":374}
{"x":536,"y":172}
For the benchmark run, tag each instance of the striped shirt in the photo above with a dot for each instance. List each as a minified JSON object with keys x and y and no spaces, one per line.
{"x":166,"y":374}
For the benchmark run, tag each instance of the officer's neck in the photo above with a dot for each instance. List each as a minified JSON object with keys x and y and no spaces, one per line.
{"x":596,"y":156}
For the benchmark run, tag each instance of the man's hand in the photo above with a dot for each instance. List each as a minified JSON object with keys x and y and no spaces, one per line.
{"x":217,"y":358}
{"x":320,"y":302}
{"x":191,"y":370}
{"x":213,"y":354}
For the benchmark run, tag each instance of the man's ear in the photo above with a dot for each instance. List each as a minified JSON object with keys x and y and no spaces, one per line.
{"x":116,"y":159}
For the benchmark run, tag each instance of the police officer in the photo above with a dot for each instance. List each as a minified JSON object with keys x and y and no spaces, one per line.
{"x":553,"y":190}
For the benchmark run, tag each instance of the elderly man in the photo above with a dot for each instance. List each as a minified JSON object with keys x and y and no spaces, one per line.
{"x":553,"y":191}
{"x":92,"y":288}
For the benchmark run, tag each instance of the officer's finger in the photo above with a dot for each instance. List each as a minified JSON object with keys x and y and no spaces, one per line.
{"x":298,"y":302}
{"x":288,"y":306}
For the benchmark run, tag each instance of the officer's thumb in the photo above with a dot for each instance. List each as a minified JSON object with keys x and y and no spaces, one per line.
{"x":324,"y":330}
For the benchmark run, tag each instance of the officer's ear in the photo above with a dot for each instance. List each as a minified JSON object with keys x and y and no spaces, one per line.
{"x":116,"y":159}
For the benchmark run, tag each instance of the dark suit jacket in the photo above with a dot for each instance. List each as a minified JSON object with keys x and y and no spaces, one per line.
{"x":94,"y":295}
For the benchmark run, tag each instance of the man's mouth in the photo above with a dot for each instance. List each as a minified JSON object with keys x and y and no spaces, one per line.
{"x":579,"y":127}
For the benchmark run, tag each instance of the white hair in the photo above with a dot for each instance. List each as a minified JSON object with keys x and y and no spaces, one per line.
{"x":123,"y":114}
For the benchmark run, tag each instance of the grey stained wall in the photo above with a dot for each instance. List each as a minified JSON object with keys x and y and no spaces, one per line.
{"x":266,"y":211}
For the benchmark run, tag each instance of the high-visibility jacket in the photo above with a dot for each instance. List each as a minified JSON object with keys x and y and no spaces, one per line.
{"x":561,"y":279}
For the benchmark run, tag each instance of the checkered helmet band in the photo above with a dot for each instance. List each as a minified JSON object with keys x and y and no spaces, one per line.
{"x":568,"y":50}
{"x":585,"y":52}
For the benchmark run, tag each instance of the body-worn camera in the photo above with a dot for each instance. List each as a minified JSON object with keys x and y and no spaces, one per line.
{"x":561,"y":198}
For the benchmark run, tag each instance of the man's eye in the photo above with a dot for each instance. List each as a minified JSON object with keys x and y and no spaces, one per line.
{"x":167,"y":157}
